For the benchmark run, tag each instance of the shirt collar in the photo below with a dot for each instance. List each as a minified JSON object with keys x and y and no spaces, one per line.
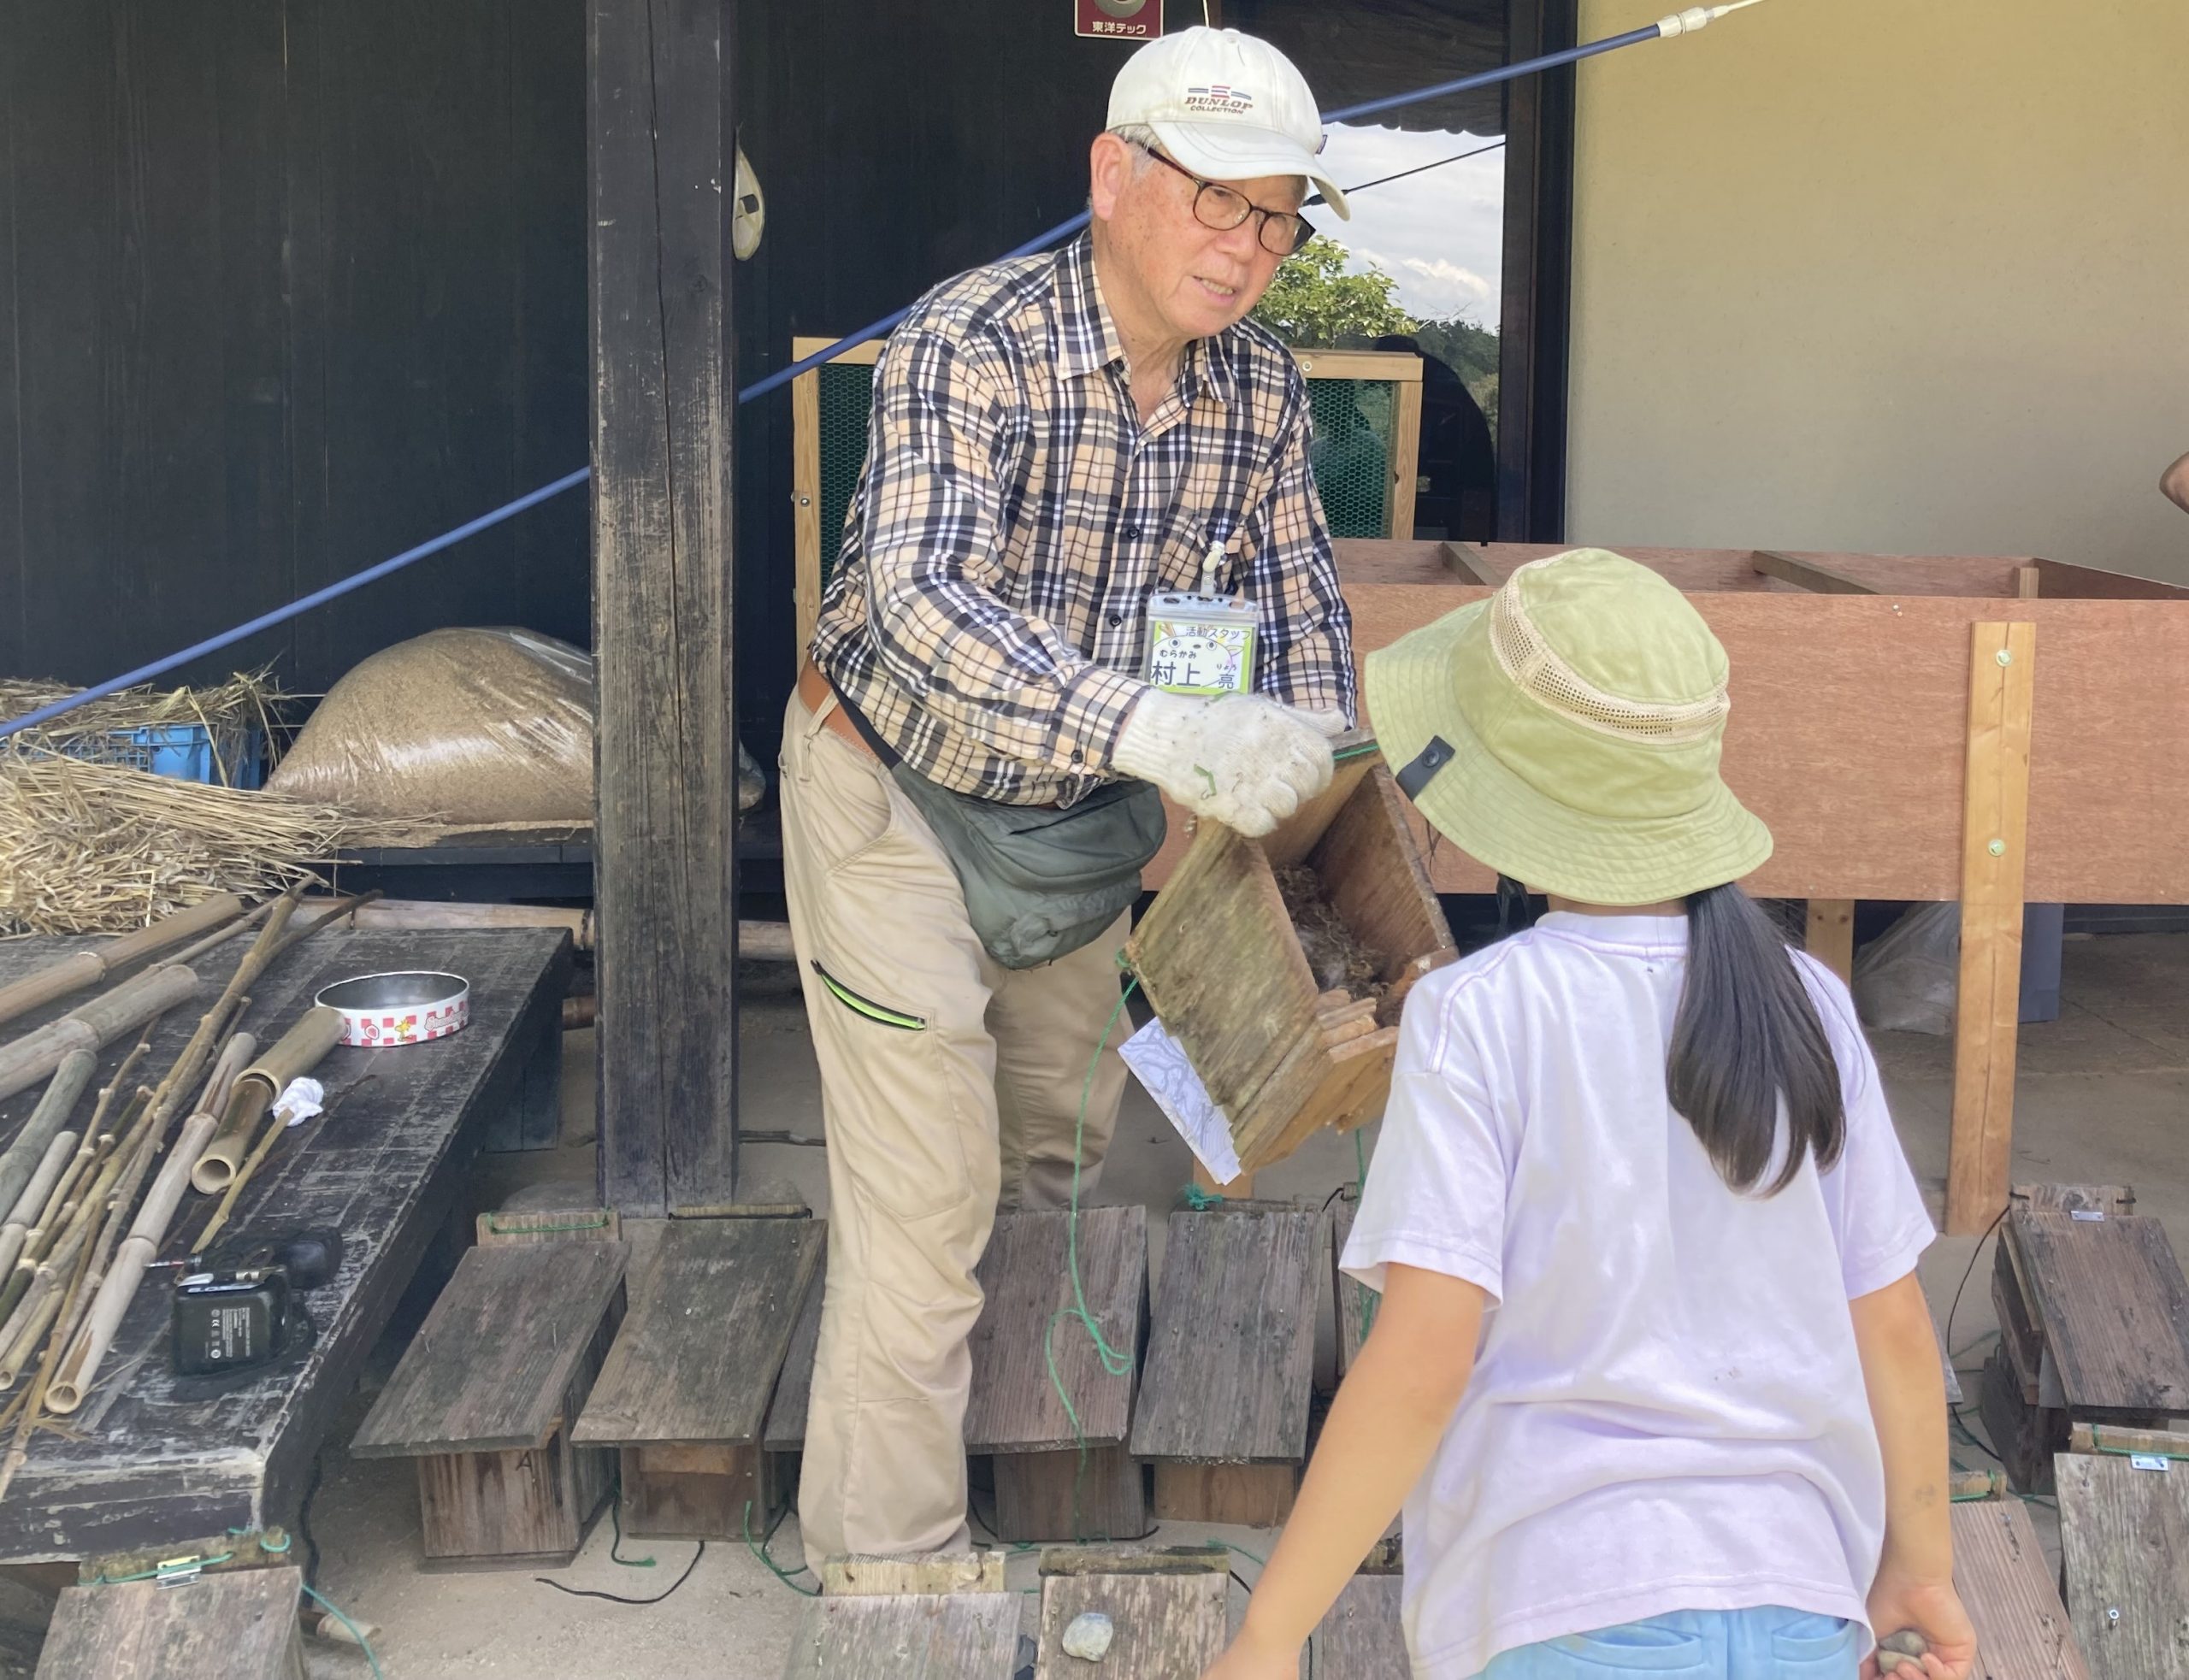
{"x":1090,"y":341}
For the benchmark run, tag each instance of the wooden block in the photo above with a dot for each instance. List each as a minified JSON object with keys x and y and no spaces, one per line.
{"x":1830,"y":937}
{"x":1254,"y":1496}
{"x":2118,"y":1439}
{"x":1995,"y":832}
{"x":2025,"y":1348}
{"x":785,"y":1430}
{"x":2109,"y":1298}
{"x":2124,"y":1544}
{"x":2025,"y":1436}
{"x":1977,"y":1485}
{"x":1025,"y":1277}
{"x":1356,"y":1302}
{"x":488,"y":1370}
{"x":697,"y":1493}
{"x":937,"y":1573}
{"x":510,"y":1510}
{"x":1361,"y":1636}
{"x":697,"y":1361}
{"x":228,"y":1624}
{"x":2005,"y":1583}
{"x":2108,"y":1199}
{"x":1057,"y":1496}
{"x":923,"y":1636}
{"x":1168,"y":1623}
{"x":563,"y":1225}
{"x":1231,"y":1354}
{"x":1808,"y":574}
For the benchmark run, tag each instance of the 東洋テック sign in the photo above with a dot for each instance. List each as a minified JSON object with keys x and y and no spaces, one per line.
{"x":1121,"y":19}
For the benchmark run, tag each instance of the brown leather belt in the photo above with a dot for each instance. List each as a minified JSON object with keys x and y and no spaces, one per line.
{"x":814,"y":692}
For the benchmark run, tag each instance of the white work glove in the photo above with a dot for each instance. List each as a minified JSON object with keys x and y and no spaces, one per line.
{"x":1242,"y":760}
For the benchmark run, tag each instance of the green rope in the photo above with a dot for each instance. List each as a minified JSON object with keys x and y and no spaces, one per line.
{"x":758,"y":1548}
{"x":104,"y":1579}
{"x":2098,"y":1445}
{"x":1201,"y":1201}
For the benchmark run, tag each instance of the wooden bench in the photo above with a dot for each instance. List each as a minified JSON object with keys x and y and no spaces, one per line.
{"x":685,"y":1393}
{"x":1167,"y":1610}
{"x":2093,"y":1324}
{"x":942,"y":1618}
{"x":2124,"y":1543}
{"x":486,"y":1397}
{"x":227,"y":1625}
{"x":1224,"y":1391}
{"x":1044,"y":1490}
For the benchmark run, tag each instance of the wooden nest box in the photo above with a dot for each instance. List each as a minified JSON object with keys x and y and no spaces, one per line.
{"x":1282,"y":1049}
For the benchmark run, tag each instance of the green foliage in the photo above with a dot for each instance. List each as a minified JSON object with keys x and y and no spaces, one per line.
{"x":1313,"y":303}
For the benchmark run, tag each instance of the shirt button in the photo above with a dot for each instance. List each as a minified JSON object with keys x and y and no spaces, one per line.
{"x":1117,"y":618}
{"x":1133,"y":532}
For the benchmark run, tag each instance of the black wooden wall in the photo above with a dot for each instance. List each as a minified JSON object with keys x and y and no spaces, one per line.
{"x":285,"y":286}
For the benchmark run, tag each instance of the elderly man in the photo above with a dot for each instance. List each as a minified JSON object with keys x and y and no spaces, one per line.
{"x":1055,"y":442}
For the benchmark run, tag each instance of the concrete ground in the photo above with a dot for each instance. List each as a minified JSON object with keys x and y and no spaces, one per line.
{"x":2100,"y":1097}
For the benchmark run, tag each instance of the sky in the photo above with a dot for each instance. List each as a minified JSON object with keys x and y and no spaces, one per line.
{"x":1439,"y":233}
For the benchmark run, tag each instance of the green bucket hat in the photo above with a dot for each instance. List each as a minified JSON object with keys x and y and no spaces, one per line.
{"x":1565,"y":731}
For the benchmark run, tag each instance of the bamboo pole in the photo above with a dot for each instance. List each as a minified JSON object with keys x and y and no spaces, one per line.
{"x":80,"y":1366}
{"x":81,"y":969}
{"x":16,"y":1231}
{"x":93,"y":1025}
{"x":297,"y":1052}
{"x":34,"y":1402}
{"x":24,"y":1154}
{"x":40,"y":1305}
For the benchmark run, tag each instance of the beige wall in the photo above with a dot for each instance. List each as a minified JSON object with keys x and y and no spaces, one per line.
{"x":1897,"y":276}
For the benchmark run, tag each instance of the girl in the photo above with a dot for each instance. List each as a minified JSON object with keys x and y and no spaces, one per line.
{"x":1651,"y":1370}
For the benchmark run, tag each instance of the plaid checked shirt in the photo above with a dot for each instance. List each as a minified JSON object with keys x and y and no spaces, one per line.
{"x":987,"y":613}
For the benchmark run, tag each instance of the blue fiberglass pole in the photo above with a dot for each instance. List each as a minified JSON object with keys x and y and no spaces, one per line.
{"x":1679,"y":23}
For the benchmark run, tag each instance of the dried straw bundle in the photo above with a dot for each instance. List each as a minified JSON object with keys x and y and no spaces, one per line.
{"x":89,"y":848}
{"x":100,"y":730}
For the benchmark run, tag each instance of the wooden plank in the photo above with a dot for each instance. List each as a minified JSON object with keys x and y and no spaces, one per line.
{"x":1231,"y":1355}
{"x":805,"y":505}
{"x":1808,"y":574}
{"x":919,"y":1637}
{"x":1406,"y":455}
{"x":2118,"y":1438}
{"x":2107,"y":1198}
{"x":1356,"y":1301}
{"x":785,"y":1430}
{"x":1397,"y":365}
{"x":938,"y":1573}
{"x":1251,"y":1496}
{"x":505,"y":1510}
{"x":1060,"y":1496}
{"x":232,"y":1624}
{"x":1860,"y":794}
{"x":1026,"y":1280}
{"x":487,"y":1369}
{"x":2018,"y":1336}
{"x":1165,"y":1625}
{"x":1361,"y":1636}
{"x":1831,"y":936}
{"x":660,"y":72}
{"x":573,"y":1223}
{"x":1995,"y":833}
{"x":2110,"y":1301}
{"x":2056,"y":578}
{"x":2005,"y":1583}
{"x":384,"y":1164}
{"x":697,"y":1493}
{"x":864,"y":354}
{"x":1463,"y":561}
{"x":2124,"y":1546}
{"x":1378,"y":882}
{"x":2025,"y":1436}
{"x":697,"y":1361}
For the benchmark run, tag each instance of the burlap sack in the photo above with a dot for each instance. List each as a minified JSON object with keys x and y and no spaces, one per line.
{"x":459,"y":727}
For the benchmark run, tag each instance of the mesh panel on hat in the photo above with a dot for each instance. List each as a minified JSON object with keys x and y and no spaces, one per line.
{"x":1533,"y":663}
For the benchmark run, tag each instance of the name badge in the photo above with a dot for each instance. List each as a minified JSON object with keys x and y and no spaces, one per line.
{"x":1200,"y":643}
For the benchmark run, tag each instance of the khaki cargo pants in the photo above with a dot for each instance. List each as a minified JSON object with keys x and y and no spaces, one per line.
{"x":948,"y":1085}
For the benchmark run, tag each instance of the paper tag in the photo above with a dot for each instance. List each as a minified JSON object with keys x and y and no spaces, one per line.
{"x":2089,"y":1216}
{"x":299,"y":1102}
{"x":1160,"y":1062}
{"x":2147,"y":1461}
{"x":1200,"y":643}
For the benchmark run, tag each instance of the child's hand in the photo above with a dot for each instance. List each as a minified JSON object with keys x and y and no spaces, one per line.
{"x":1932,"y":1609}
{"x":1248,"y":1660}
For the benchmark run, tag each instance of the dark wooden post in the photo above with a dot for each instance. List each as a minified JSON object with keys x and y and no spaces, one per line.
{"x":665,"y":872}
{"x":1537,"y":313}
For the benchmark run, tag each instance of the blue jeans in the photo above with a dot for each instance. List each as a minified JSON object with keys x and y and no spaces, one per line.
{"x":1767,"y":1644}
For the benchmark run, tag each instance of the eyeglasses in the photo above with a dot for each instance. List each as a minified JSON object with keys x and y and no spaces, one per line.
{"x":1222,"y":208}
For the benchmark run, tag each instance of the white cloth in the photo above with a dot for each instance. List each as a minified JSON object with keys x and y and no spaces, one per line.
{"x":1668,"y":1410}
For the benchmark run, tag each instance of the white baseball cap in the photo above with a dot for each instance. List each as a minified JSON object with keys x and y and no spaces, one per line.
{"x":1226,"y":106}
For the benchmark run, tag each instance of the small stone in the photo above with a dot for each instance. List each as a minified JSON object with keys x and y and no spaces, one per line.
{"x":1904,"y":1648}
{"x":1089,"y":1637}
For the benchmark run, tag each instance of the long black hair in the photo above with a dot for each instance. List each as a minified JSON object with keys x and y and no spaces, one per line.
{"x":1746,"y":1035}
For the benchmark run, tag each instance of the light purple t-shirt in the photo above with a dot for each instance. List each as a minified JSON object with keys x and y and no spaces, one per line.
{"x":1668,"y":1410}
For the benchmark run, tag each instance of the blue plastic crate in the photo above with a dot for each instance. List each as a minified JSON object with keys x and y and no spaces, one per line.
{"x":185,"y":751}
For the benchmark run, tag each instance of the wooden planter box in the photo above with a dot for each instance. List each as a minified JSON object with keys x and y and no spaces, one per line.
{"x":1222,"y":965}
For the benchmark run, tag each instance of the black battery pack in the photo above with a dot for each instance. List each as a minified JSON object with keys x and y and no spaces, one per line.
{"x":227,"y":1321}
